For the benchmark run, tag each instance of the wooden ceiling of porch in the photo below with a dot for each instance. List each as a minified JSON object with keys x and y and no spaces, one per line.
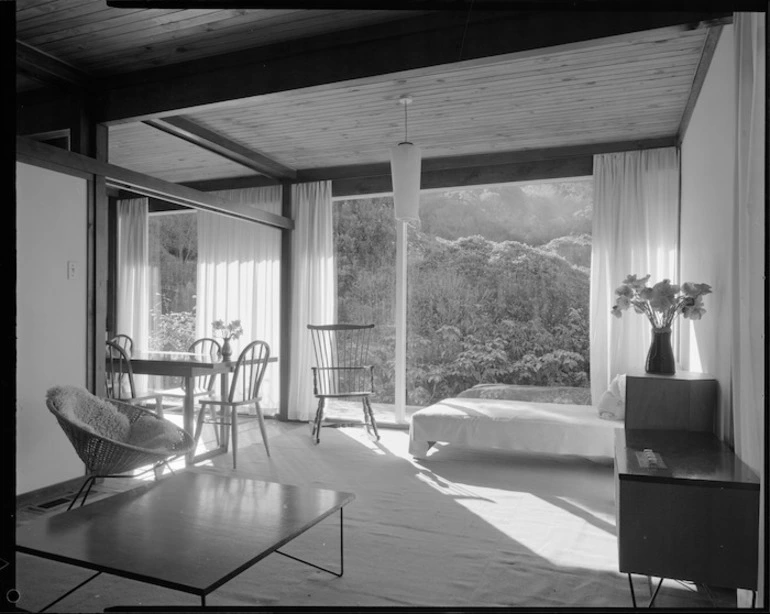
{"x":195,"y":95}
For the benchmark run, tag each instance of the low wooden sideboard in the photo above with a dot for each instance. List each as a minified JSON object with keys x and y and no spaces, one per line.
{"x":687,"y":507}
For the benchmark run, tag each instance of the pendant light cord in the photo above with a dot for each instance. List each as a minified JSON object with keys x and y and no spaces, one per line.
{"x":465,"y":30}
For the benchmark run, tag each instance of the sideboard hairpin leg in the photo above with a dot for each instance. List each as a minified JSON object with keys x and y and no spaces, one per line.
{"x":633,"y":595}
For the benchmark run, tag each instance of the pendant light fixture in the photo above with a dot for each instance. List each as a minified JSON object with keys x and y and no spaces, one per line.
{"x":405,"y":162}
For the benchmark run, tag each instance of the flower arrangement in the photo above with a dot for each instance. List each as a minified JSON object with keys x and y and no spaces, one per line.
{"x":662,"y":302}
{"x":227,"y":331}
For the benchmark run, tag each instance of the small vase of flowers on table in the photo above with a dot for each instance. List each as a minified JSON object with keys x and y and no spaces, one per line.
{"x":661,"y":303}
{"x":233,"y":330}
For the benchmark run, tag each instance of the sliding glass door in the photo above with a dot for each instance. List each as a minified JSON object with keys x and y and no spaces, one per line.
{"x":173,"y":261}
{"x":496,"y":289}
{"x":365,"y":251}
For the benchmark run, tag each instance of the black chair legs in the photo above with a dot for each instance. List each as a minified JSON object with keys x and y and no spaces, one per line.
{"x":319,"y":416}
{"x":369,"y":421}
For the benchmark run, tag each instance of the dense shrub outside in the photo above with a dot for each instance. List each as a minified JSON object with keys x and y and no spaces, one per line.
{"x":173,"y":250}
{"x":508,"y":307}
{"x":498,"y":286}
{"x":172,"y":332}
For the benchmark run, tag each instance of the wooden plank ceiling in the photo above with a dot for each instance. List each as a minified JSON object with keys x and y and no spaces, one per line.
{"x":611,"y":89}
{"x":613,"y":92}
{"x":104,"y":41}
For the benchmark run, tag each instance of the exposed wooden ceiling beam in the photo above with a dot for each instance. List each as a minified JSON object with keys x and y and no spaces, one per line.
{"x":368,"y":53}
{"x":48,"y":69}
{"x":324,"y":4}
{"x":709,"y":46}
{"x":446,"y":172}
{"x":39,"y":154}
{"x":207,"y":139}
{"x":449,"y":163}
{"x":437,"y":5}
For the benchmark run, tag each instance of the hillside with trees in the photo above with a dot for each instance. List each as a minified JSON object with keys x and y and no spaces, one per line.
{"x":498,"y":287}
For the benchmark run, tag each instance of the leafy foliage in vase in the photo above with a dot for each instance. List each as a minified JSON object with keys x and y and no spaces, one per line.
{"x":233,"y":330}
{"x":662,"y":302}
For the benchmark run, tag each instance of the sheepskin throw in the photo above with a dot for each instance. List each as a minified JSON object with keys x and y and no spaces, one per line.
{"x":612,"y":405}
{"x":90,"y":412}
{"x":153,"y":433}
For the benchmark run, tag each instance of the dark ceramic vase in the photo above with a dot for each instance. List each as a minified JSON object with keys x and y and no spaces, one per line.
{"x":227,"y":351}
{"x":660,"y":358}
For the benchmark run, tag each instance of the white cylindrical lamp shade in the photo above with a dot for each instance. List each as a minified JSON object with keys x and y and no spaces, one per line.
{"x":405,"y":162}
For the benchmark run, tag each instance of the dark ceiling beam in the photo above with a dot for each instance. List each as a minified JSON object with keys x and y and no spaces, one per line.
{"x":36,"y":114}
{"x":48,"y":69}
{"x":216,"y":143}
{"x":230,"y":183}
{"x":709,"y":46}
{"x":46,"y":156}
{"x":536,"y":170}
{"x":437,"y":5}
{"x":449,"y":163}
{"x":454,"y":171}
{"x":366,"y":53}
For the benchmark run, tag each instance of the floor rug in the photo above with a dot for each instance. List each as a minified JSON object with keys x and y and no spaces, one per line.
{"x":461,"y":529}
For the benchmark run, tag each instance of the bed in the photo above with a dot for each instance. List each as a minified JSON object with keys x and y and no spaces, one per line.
{"x":480,"y":421}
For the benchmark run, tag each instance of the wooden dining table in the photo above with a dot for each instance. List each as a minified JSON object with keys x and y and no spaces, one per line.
{"x":189,"y":366}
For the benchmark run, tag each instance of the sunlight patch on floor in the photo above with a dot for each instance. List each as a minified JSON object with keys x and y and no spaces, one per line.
{"x":361,"y":436}
{"x":552,"y":532}
{"x":565,"y":530}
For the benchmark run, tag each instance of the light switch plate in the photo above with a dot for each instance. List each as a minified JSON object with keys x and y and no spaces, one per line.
{"x":72,"y":269}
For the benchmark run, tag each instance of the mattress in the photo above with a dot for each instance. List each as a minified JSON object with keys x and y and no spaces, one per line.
{"x":521,"y":426}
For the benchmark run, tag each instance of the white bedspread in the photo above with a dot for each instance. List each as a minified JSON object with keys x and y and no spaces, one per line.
{"x":522,"y":426}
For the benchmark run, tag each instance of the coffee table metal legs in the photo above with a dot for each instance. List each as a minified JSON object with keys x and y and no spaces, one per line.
{"x":203,"y":597}
{"x":69,"y":592}
{"x":342,"y":559}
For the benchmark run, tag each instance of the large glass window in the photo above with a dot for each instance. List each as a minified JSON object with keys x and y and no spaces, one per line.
{"x":173,"y":259}
{"x":365,"y":246}
{"x":497,"y":288}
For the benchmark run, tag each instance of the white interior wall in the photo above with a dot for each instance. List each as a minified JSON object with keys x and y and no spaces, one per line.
{"x":708,"y":174}
{"x":51,"y":226}
{"x":708,"y":170}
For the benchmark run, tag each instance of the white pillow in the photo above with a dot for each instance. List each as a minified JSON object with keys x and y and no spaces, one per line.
{"x":612,"y":405}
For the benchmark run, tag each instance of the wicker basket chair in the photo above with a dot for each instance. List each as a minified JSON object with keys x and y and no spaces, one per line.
{"x":109,"y":458}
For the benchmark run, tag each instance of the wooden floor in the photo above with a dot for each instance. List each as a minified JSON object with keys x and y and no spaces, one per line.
{"x":55,"y":500}
{"x":351,"y":411}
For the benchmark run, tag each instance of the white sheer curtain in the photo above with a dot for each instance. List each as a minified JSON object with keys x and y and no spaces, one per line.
{"x":635,"y":231}
{"x":749,"y":264}
{"x":239,"y":278}
{"x":133,"y":301}
{"x":314,"y":287}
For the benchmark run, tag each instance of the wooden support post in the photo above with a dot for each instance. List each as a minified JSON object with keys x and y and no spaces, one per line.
{"x":98,"y":243}
{"x":286,"y":308}
{"x":400,"y":367}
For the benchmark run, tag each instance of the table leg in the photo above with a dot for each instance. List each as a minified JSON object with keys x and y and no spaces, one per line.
{"x":69,"y":592}
{"x":224,"y":432}
{"x":189,"y":414}
{"x":342,"y":558}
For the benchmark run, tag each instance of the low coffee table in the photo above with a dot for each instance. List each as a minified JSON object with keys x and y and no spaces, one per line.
{"x":190,"y":532}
